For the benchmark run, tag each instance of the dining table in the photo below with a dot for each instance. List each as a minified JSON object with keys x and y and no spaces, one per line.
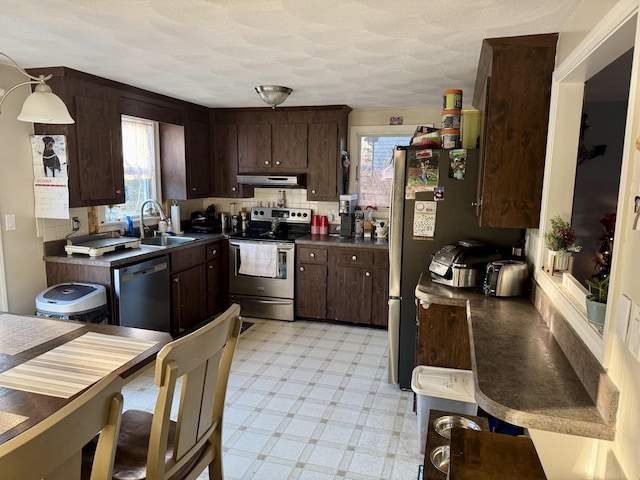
{"x":47,"y":362}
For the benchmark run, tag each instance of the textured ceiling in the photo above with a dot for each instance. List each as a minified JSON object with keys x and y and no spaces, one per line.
{"x":363,"y":53}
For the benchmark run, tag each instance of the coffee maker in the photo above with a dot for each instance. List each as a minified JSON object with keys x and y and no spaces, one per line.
{"x":345,"y":211}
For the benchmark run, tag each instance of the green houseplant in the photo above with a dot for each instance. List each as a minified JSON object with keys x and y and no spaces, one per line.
{"x":560,"y":242}
{"x":597,"y":301}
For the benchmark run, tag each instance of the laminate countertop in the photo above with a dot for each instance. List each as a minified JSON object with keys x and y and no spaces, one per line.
{"x":521,"y":374}
{"x":56,"y":254}
{"x":338,"y":241}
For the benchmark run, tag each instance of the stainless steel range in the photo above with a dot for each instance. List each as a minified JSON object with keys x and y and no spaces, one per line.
{"x":262,"y":262}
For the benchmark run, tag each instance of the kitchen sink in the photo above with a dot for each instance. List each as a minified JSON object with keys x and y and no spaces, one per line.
{"x":166,"y":241}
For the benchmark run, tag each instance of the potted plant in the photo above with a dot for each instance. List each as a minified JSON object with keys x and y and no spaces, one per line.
{"x":597,"y":301}
{"x":561,"y":242}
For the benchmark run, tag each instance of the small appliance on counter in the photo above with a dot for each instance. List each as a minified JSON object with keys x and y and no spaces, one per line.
{"x":506,"y":278}
{"x":207,"y":221}
{"x":462,"y":264}
{"x":346,"y":208}
{"x":98,"y":244}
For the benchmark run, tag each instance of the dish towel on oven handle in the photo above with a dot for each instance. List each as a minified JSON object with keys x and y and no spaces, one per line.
{"x":259,"y":259}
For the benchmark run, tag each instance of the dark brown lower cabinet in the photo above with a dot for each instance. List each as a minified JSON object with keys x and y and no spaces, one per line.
{"x":443,"y":336}
{"x":380,"y":295}
{"x":311,"y":282}
{"x":347,"y":284}
{"x":197,"y":285}
{"x":187,"y":298}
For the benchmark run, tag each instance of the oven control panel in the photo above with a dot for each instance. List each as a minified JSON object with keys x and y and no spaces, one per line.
{"x":288,"y":215}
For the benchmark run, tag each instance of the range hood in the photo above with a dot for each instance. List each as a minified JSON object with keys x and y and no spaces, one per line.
{"x":273,"y":181}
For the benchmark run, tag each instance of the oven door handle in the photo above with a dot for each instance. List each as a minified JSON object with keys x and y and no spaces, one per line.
{"x":272,"y":302}
{"x":281,"y":246}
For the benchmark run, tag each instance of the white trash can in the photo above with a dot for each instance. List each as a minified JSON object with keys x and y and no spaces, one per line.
{"x":85,"y":302}
{"x":441,"y":388}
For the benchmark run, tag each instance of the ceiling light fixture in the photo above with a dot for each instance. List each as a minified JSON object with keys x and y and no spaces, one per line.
{"x":42,"y":106}
{"x":273,"y":94}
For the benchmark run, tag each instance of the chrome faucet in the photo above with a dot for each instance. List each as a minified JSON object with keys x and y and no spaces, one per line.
{"x":163,"y":216}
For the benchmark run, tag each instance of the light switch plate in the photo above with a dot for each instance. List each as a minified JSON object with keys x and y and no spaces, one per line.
{"x":10,"y":221}
{"x":633,"y":342}
{"x":624,"y":312}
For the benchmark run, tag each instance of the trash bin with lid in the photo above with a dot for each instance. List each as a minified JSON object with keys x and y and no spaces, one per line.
{"x":86,"y":302}
{"x":441,"y":388}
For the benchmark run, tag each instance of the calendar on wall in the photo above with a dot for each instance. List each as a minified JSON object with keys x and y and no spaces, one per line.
{"x":424,"y":219}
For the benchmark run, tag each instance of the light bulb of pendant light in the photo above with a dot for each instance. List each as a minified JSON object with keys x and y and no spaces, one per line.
{"x":273,"y":94}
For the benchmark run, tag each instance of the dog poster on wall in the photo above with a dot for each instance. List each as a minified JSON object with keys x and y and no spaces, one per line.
{"x":50,"y":179}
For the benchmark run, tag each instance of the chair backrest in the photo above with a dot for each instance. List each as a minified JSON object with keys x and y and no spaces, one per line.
{"x":203,"y":360}
{"x":52,"y":449}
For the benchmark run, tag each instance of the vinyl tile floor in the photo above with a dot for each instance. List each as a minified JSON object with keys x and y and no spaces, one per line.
{"x":309,"y":400}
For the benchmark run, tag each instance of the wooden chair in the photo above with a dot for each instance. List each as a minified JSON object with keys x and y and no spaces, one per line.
{"x":52,"y":449}
{"x":154,"y":447}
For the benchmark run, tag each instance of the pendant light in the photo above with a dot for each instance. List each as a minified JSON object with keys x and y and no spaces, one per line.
{"x":42,"y":106}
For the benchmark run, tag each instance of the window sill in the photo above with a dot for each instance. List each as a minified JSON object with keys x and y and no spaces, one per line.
{"x":568,"y":297}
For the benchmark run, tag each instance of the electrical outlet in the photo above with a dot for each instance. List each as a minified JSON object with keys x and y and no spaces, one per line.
{"x":10,"y":221}
{"x":76,"y":223}
{"x":633,"y":337}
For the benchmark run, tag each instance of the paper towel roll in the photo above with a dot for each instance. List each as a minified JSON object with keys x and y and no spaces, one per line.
{"x":175,"y":218}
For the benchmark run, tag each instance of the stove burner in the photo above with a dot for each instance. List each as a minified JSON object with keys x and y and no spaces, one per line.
{"x":292,"y":223}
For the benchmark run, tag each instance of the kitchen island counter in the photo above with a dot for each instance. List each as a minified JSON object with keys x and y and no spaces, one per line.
{"x":521,"y":374}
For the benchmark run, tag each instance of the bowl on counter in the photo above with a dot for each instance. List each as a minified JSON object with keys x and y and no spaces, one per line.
{"x":443,"y":425}
{"x":440,"y":458}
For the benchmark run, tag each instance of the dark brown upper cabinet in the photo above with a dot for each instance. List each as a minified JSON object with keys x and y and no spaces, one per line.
{"x":512,"y":92}
{"x":271,"y":141}
{"x":94,"y":142}
{"x":224,"y":144}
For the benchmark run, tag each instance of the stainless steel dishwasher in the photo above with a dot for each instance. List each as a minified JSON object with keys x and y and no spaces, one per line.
{"x":143,"y":297}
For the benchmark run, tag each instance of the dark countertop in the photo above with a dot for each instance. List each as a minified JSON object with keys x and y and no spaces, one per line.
{"x":521,"y":374}
{"x":337,"y":241}
{"x":129,"y":255}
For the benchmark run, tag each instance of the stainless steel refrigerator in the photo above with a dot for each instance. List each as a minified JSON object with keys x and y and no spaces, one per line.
{"x":410,"y":255}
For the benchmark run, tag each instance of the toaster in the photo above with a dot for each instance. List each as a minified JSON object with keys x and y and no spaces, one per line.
{"x":506,"y":278}
{"x":462,"y":265}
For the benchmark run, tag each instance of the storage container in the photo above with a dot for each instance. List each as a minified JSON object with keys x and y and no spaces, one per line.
{"x":85,"y":302}
{"x":441,"y":388}
{"x":450,"y":139}
{"x":452,"y":100}
{"x":470,"y":128}
{"x":451,"y":119}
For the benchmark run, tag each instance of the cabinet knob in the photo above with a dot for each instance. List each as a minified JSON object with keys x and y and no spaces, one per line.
{"x":313,"y":191}
{"x":214,"y":252}
{"x":210,"y":267}
{"x":367,"y":274}
{"x":302,"y":269}
{"x":266,"y":162}
{"x":193,"y":189}
{"x":354,"y":258}
{"x":176,"y":280}
{"x":233,"y":189}
{"x":277,"y":162}
{"x":474,"y":204}
{"x":312,"y":255}
{"x":118,"y":192}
